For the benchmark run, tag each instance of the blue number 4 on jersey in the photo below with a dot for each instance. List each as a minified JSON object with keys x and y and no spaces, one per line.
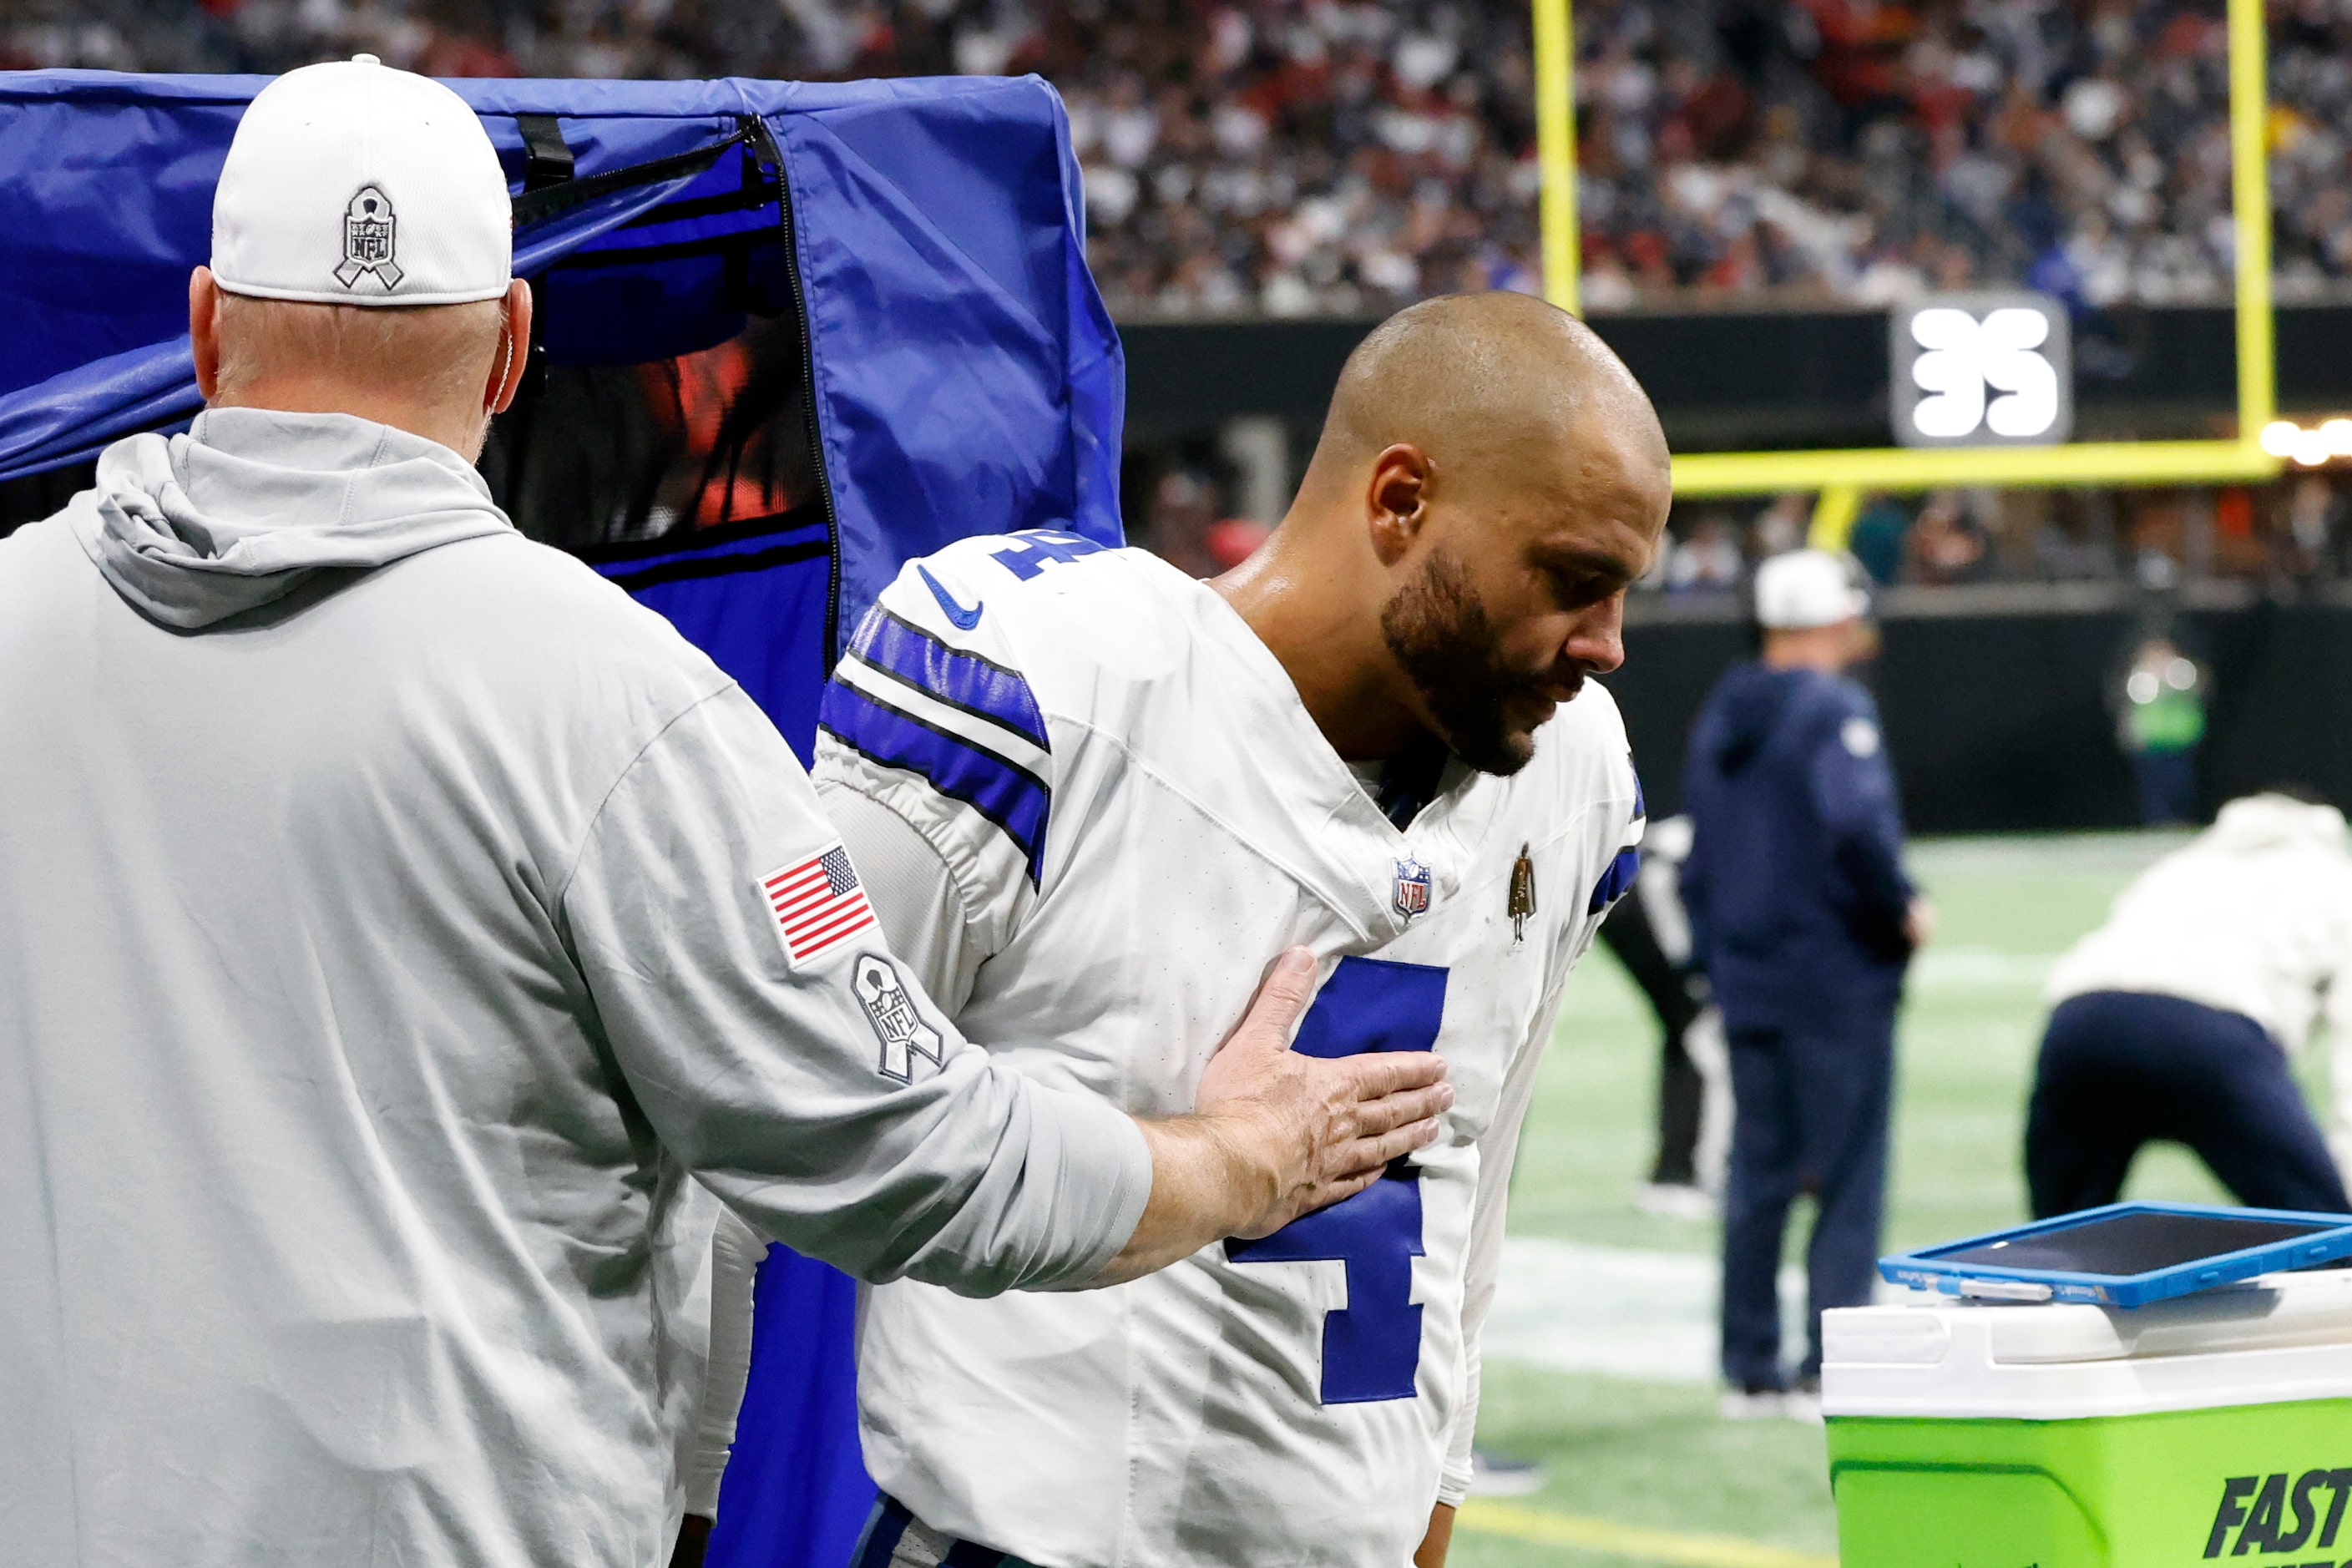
{"x":1371,"y":1347}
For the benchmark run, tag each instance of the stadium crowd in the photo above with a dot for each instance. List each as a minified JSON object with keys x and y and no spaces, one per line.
{"x":1335,"y":158}
{"x":2287,"y":538}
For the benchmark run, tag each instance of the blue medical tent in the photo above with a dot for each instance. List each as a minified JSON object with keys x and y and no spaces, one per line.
{"x":920,"y":240}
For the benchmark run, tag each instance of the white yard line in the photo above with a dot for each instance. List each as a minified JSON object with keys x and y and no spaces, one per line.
{"x":1646,"y":1316}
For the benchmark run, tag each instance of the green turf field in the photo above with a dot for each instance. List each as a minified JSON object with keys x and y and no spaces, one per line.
{"x":1641,"y":1469}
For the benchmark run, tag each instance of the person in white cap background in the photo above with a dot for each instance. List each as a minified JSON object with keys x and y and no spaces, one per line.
{"x":1804,"y":919}
{"x":404,"y":936}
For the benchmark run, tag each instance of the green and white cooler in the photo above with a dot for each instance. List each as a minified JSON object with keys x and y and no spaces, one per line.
{"x":1966,"y":1434}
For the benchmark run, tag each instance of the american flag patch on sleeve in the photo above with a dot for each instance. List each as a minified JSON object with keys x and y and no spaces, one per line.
{"x":817,"y":902}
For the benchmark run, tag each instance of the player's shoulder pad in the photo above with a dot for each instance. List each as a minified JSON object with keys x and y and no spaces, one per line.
{"x":940,"y":685}
{"x":1001,"y":576}
{"x":1074,"y":618}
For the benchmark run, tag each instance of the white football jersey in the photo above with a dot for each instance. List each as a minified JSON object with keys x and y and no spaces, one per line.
{"x":1132,"y":814}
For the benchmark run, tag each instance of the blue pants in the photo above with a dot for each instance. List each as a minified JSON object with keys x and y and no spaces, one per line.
{"x":2168,"y":787}
{"x":2121,"y":1069}
{"x":1811,"y":1117}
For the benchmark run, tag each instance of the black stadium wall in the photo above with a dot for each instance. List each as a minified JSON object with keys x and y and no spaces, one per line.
{"x":2001,"y":723}
{"x":1734,"y":381}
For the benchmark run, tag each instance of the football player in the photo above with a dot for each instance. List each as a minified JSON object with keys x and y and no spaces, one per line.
{"x":1088,"y":794}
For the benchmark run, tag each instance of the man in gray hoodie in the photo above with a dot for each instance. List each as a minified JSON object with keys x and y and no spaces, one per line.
{"x":406,"y":940}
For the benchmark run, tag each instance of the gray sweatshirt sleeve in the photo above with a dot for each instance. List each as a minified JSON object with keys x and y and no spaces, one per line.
{"x":765,"y":1073}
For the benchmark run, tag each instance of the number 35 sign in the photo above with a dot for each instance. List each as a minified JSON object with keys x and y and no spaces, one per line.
{"x":1983,"y":369}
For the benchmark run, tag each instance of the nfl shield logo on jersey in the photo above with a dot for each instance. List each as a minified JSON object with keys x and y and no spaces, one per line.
{"x":1411,"y":887}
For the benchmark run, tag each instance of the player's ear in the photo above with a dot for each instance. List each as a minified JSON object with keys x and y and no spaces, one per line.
{"x":1396,"y":500}
{"x":203,"y":329}
{"x":507,"y":371}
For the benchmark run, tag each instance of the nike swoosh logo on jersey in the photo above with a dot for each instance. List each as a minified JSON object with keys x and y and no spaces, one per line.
{"x":964,"y":619}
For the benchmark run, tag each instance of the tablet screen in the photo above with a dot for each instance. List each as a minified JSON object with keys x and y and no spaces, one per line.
{"x":2128,"y":1244}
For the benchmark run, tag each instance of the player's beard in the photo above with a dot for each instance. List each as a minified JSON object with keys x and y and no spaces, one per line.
{"x":1441,"y":635}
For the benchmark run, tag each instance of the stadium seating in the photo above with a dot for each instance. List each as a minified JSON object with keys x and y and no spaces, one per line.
{"x":1273,"y":158}
{"x":1297,"y":159}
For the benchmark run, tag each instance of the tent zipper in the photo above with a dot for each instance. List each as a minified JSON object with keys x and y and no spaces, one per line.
{"x":763,"y":146}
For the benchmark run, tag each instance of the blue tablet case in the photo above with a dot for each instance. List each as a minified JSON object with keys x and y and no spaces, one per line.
{"x":2201,"y":1247}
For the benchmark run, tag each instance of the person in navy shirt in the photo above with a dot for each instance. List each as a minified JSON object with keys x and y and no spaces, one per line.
{"x":1804,"y":920}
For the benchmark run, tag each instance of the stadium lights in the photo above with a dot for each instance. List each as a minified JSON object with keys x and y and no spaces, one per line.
{"x":1840,"y":476}
{"x":2308,"y":447}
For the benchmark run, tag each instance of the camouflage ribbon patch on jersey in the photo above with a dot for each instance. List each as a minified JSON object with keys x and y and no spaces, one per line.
{"x":1521,"y":905}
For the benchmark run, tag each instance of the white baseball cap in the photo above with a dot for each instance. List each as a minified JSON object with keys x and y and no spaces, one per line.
{"x":1804,"y":588}
{"x":354,"y":183}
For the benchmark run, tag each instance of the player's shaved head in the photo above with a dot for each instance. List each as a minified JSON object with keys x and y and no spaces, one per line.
{"x":1483,"y":380}
{"x":1489,"y":479}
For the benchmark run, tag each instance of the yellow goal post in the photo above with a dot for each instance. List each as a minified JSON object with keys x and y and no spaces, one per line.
{"x":1841,"y":476}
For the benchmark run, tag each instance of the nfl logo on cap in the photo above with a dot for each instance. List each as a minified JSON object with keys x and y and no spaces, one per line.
{"x":1411,"y":887}
{"x":354,"y":184}
{"x":367,"y":239}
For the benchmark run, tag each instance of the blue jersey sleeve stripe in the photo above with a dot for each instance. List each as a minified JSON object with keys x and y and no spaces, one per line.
{"x":979,"y":687}
{"x":1007,"y":794}
{"x":1615,"y":882}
